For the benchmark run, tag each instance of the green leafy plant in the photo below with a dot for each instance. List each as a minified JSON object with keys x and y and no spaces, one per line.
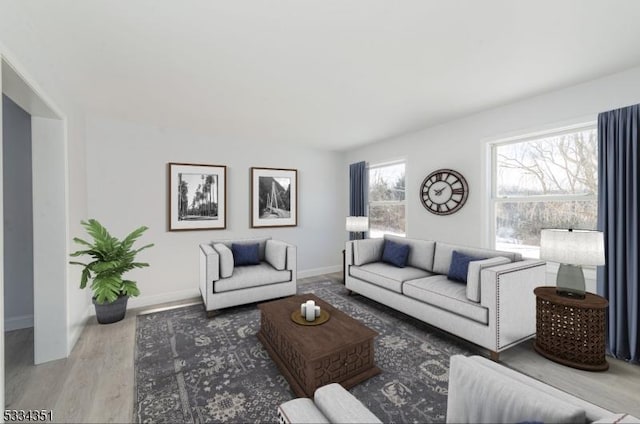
{"x":111,"y":259}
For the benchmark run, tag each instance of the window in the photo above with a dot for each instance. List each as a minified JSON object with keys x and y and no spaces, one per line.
{"x":387,"y":209}
{"x":549,"y":181}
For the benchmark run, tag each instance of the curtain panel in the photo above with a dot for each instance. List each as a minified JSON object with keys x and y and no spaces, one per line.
{"x":618,"y":208}
{"x":358,"y":190}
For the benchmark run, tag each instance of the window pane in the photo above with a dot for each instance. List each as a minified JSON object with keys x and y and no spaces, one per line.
{"x":561,"y":164}
{"x":386,"y":219}
{"x":518,"y":224}
{"x":386,"y":183}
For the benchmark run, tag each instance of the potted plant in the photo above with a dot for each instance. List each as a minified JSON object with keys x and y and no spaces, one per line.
{"x":110,"y":259}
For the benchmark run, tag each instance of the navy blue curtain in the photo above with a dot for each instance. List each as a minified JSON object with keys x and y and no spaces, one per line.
{"x":618,"y":191}
{"x":358,"y":190}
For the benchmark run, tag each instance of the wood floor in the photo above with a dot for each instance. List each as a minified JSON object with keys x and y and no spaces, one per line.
{"x":96,"y":382}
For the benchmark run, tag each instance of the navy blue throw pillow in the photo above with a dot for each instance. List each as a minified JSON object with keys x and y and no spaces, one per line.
{"x":245,"y":254}
{"x":460,"y":266}
{"x":395,"y":253}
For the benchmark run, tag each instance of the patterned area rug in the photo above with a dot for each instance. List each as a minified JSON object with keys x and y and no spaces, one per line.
{"x":189,"y":368}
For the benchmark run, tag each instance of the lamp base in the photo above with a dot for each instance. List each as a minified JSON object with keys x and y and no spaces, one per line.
{"x":570,"y":281}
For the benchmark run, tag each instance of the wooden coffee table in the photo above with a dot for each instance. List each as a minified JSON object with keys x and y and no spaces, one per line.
{"x":338,"y":351}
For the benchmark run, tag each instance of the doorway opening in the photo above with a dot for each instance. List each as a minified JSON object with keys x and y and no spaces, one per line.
{"x":33,"y":263}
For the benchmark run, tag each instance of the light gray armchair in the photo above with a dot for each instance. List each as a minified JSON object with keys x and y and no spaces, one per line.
{"x":223,"y":285}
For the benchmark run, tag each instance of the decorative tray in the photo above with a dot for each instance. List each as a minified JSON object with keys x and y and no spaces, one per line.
{"x":297,"y":317}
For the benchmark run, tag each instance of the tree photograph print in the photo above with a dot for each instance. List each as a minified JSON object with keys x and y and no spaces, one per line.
{"x":198,"y":196}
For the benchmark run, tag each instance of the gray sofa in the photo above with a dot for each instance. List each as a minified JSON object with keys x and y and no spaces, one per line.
{"x":330,"y":404}
{"x":494,"y":309}
{"x":223,"y":285}
{"x":481,"y":391}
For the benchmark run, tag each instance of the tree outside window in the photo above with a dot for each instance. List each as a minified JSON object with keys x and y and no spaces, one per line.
{"x":387,"y":206}
{"x":545,"y":182}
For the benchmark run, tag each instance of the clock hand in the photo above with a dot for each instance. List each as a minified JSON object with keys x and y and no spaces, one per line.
{"x":438,"y":192}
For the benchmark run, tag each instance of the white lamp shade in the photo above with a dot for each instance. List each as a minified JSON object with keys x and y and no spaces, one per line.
{"x":357,"y":224}
{"x":576,"y":247}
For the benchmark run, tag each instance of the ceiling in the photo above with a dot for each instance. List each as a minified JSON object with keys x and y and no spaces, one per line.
{"x":332,"y":74}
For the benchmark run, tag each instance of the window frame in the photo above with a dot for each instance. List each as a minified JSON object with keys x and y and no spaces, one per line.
{"x":388,"y":202}
{"x":494,"y":199}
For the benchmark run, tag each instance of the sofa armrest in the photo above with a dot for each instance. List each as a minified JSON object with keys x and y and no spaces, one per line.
{"x":209,"y":264}
{"x":301,"y":410}
{"x":480,"y":393}
{"x":348,"y":254}
{"x":340,"y":406}
{"x":292,"y":257}
{"x":521,"y":274}
{"x":507,"y":291}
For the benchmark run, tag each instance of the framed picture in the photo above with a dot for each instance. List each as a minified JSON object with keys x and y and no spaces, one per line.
{"x":197,"y":197}
{"x":274,"y":197}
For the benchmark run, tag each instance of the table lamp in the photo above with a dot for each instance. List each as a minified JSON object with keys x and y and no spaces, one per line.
{"x":358,"y":225}
{"x":572,"y":249}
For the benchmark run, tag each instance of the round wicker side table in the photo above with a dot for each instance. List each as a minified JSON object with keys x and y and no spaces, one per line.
{"x":571,"y":331}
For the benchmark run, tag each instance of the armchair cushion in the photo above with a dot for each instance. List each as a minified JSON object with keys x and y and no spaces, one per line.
{"x":226,"y":260}
{"x":245,"y":254}
{"x":251,"y":276}
{"x":276,"y":254}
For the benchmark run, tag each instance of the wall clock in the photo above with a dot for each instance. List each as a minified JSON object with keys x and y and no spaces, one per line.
{"x":444,"y":192}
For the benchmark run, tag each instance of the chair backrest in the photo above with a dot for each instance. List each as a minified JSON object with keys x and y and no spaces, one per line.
{"x":262,"y":243}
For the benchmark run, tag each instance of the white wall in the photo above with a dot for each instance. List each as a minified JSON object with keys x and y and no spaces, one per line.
{"x":49,"y":240}
{"x":18,"y":217}
{"x":127,"y":183}
{"x":461,"y":145}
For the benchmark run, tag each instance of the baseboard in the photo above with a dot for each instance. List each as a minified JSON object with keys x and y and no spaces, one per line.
{"x":156,"y":299}
{"x":319,"y":271}
{"x":18,"y":323}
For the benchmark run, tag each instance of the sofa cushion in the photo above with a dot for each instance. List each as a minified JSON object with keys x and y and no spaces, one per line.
{"x":251,"y":276}
{"x":459,"y":267}
{"x":226,"y":260}
{"x":446,"y":294}
{"x":395,"y":254}
{"x":367,"y":251}
{"x":387,"y":276}
{"x":262,"y":243}
{"x":245,"y":254}
{"x":443,"y":251}
{"x":479,"y":394}
{"x":275,"y":253}
{"x":473,"y":275}
{"x":420,"y":251}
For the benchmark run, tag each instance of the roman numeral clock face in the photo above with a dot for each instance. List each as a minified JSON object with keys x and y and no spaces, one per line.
{"x":444,"y":192}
